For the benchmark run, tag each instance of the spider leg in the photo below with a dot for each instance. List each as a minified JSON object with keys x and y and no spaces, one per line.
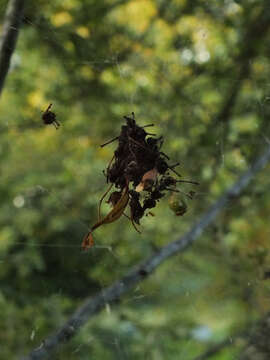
{"x":172,"y":169}
{"x":188,"y":181}
{"x":166,"y":156}
{"x":173,"y":190}
{"x":148,"y":126}
{"x":161,"y":142}
{"x":48,"y":108}
{"x":135,"y":227}
{"x":57,"y":123}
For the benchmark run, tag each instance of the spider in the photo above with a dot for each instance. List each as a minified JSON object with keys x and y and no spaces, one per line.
{"x":49,"y":117}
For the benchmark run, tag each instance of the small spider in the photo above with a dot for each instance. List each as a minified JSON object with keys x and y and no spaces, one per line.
{"x":49,"y":117}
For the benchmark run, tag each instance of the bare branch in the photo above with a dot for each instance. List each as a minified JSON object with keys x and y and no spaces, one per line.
{"x":9,"y":36}
{"x":95,"y":304}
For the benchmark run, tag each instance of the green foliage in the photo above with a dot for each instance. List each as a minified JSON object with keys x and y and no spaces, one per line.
{"x":199,"y":71}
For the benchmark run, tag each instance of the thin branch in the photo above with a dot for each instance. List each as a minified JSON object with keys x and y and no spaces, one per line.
{"x":212,"y":351}
{"x":215,"y":349}
{"x":12,"y":22}
{"x":229,"y":341}
{"x":96,"y":303}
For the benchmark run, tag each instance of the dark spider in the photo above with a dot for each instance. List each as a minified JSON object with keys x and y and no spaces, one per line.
{"x":49,"y":117}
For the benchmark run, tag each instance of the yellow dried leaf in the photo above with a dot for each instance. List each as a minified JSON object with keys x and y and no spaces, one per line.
{"x":116,"y":212}
{"x":140,"y":187}
{"x":118,"y":209}
{"x":112,"y":216}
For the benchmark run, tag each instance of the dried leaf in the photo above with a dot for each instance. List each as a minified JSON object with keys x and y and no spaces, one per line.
{"x":113,"y":215}
{"x":148,"y":180}
{"x":117,"y":210}
{"x":151,"y":174}
{"x":88,"y":241}
{"x":139,"y":187}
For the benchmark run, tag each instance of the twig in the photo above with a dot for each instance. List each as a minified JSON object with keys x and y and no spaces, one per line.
{"x":109,"y":142}
{"x":95,"y":304}
{"x":9,"y":36}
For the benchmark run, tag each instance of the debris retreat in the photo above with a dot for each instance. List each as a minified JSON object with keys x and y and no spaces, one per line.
{"x":139,"y":176}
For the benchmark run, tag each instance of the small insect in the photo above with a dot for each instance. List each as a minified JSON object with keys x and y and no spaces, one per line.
{"x":49,"y":117}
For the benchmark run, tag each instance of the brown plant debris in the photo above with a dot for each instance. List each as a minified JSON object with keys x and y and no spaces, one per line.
{"x":140,"y":174}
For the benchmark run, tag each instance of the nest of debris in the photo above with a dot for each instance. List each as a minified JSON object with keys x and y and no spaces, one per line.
{"x":140,"y":174}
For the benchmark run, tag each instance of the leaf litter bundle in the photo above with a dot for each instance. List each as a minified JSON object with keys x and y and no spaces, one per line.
{"x":140,"y":174}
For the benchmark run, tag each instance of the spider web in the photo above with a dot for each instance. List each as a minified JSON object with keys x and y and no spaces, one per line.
{"x":127,"y":327}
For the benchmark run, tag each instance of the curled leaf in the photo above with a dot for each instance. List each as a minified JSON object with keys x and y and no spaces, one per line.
{"x":116,"y":211}
{"x":113,"y":215}
{"x":148,"y":180}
